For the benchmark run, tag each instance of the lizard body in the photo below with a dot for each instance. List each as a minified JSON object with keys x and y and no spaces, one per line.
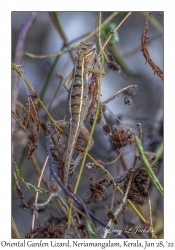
{"x":77,"y":104}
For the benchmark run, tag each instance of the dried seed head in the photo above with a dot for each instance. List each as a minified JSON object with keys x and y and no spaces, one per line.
{"x":106,"y":128}
{"x":112,"y":64}
{"x":111,"y":216}
{"x":97,"y":189}
{"x":132,"y":90}
{"x":122,"y":137}
{"x":127,"y":100}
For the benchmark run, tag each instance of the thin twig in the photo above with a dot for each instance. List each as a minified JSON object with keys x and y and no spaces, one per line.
{"x":87,"y":213}
{"x":109,"y":176}
{"x":36,"y":166}
{"x":116,"y":159}
{"x":113,"y":197}
{"x":76,"y":45}
{"x":36,"y":197}
{"x":139,"y":125}
{"x":151,"y":219}
{"x":59,"y":201}
{"x":112,"y":32}
{"x":154,"y":22}
{"x":14,"y":66}
{"x":15,"y":228}
{"x":128,"y":187}
{"x":125,"y":196}
{"x":117,"y":93}
{"x":129,"y":129}
{"x":66,"y":191}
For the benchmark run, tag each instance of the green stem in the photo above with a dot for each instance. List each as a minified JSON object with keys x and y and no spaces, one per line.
{"x":147,"y":166}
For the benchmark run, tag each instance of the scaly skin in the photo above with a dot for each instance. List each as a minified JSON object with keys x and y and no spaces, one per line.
{"x":77,"y":105}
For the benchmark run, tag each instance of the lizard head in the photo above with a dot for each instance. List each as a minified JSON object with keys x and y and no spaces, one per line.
{"x":87,"y":51}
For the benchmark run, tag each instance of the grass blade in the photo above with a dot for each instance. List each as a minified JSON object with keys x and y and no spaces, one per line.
{"x":147,"y":166}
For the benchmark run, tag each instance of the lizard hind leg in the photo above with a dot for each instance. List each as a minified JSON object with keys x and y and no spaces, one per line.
{"x":84,"y":131}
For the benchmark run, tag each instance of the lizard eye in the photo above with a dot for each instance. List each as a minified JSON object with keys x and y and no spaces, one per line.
{"x":84,"y":49}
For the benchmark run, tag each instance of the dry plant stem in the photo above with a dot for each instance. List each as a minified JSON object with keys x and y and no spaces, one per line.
{"x":19,"y":104}
{"x":33,"y":158}
{"x":66,"y":191}
{"x":157,"y":70}
{"x":37,"y":168}
{"x":113,"y":197}
{"x":15,"y":228}
{"x":87,"y":213}
{"x":77,"y":44}
{"x":125,"y":196}
{"x":129,"y":129}
{"x":109,"y":176}
{"x":123,"y":163}
{"x":36,"y":197}
{"x":151,"y":220}
{"x":18,"y":120}
{"x":105,"y":171}
{"x":18,"y":57}
{"x":62,"y":205}
{"x":127,"y":190}
{"x":154,"y":22}
{"x":137,"y":49}
{"x":46,"y":202}
{"x":75,"y":198}
{"x":139,"y":130}
{"x":112,"y":32}
{"x":117,"y":93}
{"x":108,"y":163}
{"x":14,"y":67}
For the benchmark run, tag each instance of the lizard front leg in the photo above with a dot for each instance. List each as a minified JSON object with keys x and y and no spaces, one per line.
{"x":70,"y":77}
{"x":95,"y":71}
{"x":68,"y":80}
